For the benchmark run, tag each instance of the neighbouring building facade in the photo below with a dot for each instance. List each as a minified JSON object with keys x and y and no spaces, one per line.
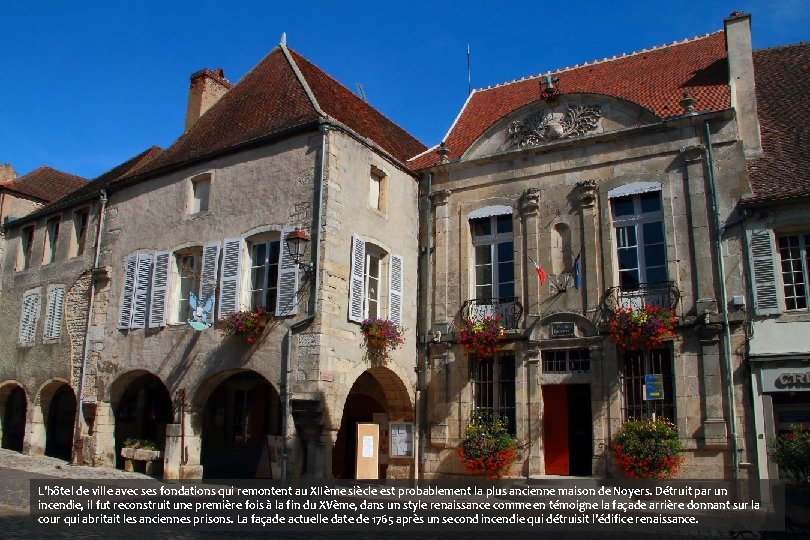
{"x":554,"y":203}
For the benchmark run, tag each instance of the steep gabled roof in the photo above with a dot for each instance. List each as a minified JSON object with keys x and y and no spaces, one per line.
{"x":44,"y":184}
{"x":782,"y":76}
{"x":90,"y":190}
{"x":654,"y":79}
{"x":281,"y":92}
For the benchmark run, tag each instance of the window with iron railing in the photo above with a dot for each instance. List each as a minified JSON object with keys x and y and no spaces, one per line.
{"x":635,"y":366}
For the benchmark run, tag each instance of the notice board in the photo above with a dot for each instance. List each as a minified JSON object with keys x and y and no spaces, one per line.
{"x":368,"y":453}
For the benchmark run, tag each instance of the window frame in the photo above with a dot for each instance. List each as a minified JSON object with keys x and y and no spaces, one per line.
{"x":374,"y":253}
{"x":196,"y":281}
{"x":495,"y":393}
{"x":803,"y":239}
{"x":196,"y":200}
{"x":637,"y":220}
{"x":26,"y":247}
{"x":80,"y":231}
{"x":631,"y":378}
{"x":266,"y":239}
{"x":568,"y":363}
{"x":492,"y":240}
{"x":377,"y":184}
{"x":51,"y":241}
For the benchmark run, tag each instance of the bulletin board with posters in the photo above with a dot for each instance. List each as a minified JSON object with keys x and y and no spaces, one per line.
{"x":400,"y":435}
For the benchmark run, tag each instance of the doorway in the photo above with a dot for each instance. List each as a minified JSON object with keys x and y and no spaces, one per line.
{"x":567,"y":429}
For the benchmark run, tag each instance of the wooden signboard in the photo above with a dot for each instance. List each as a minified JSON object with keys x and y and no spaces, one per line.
{"x":368,"y":453}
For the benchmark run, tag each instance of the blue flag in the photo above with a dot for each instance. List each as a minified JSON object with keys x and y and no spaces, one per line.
{"x":576,"y":273}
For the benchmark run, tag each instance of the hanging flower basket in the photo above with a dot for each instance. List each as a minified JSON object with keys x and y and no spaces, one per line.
{"x":487,"y":448}
{"x":639,"y":329}
{"x":246,"y":324}
{"x":380,"y":337}
{"x":647,"y":449}
{"x":482,"y":337}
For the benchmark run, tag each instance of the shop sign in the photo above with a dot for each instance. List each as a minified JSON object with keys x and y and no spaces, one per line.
{"x":786,"y":379}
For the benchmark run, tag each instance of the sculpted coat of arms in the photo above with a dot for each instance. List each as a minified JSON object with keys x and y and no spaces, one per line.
{"x":543,"y":127}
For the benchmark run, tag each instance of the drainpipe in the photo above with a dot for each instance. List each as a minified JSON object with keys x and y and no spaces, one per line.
{"x":314,"y":272}
{"x":423,"y":362}
{"x":77,"y":426}
{"x":730,"y":395}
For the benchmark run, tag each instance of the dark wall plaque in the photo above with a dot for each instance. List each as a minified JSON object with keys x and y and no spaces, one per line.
{"x":562,"y":329}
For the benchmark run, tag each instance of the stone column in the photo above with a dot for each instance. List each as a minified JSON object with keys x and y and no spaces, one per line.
{"x":441,"y":209}
{"x":535,"y":430}
{"x":715,"y":432}
{"x":529,"y":213}
{"x":700,"y":233}
{"x":588,"y":260}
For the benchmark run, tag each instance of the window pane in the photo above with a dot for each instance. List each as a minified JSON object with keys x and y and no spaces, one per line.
{"x":506,"y":272}
{"x":629,"y":279}
{"x":626,"y":236}
{"x":653,"y":232}
{"x":654,"y":255}
{"x":623,"y":206}
{"x":483,"y":255}
{"x":658,"y":273}
{"x":506,"y":251}
{"x":628,"y":258}
{"x":481,"y":227}
{"x":506,"y":290}
{"x":650,"y":202}
{"x":483,"y":275}
{"x":504,"y":224}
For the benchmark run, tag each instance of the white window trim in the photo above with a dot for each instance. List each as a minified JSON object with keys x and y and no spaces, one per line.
{"x":638,"y":219}
{"x":780,"y":278}
{"x":492,"y":240}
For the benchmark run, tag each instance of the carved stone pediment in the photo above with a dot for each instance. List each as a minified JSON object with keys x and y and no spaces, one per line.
{"x":545,"y":126}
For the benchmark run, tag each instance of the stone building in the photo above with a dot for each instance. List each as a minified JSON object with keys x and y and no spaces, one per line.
{"x":198,"y":234}
{"x":777,"y":222}
{"x":608,"y":176}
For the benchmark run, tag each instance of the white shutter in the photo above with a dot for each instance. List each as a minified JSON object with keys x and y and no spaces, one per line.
{"x":125,"y":316}
{"x":208,"y":276}
{"x":395,"y":290}
{"x":763,"y":270}
{"x":356,"y":282}
{"x":53,"y":312}
{"x":160,"y":290}
{"x":231,"y":272}
{"x":287,"y":300}
{"x":140,"y":296}
{"x":30,"y":316}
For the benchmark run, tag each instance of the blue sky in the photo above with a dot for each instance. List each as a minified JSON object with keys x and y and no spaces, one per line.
{"x":88,"y":84}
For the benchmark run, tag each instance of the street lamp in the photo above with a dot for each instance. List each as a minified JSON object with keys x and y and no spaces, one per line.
{"x":297,"y":242}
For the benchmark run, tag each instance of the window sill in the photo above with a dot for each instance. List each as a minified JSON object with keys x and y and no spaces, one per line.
{"x":794,"y":316}
{"x":26,"y":345}
{"x":53,"y":341}
{"x":380,"y":213}
{"x":198,"y":215}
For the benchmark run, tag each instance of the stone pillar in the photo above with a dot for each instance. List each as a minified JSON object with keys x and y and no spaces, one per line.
{"x":529,"y":213}
{"x":588,"y":261}
{"x":441,"y":256}
{"x":35,"y":435}
{"x":535,"y":430}
{"x":700,"y":232}
{"x":715,"y":432}
{"x":104,"y":436}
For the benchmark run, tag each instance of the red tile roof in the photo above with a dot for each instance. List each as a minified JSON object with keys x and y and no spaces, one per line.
{"x":782,"y":76}
{"x":654,"y":79}
{"x":271,"y":98}
{"x":44,"y":184}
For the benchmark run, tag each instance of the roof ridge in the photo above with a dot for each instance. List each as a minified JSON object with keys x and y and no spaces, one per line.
{"x":786,"y":46}
{"x":602,"y":61}
{"x":300,"y":76}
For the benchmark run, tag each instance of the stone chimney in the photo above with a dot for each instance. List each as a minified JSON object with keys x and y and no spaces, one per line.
{"x":7,"y":172}
{"x":741,"y":81}
{"x":207,"y":86}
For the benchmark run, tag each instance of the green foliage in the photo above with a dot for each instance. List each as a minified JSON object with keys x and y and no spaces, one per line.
{"x":648,"y":449}
{"x":140,"y":444}
{"x":791,"y":452}
{"x":488,"y":448}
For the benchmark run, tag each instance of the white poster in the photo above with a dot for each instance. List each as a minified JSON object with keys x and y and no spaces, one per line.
{"x":368,"y":446}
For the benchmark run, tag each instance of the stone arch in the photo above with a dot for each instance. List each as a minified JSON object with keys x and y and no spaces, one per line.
{"x":45,"y":423}
{"x":376,"y":390}
{"x":13,"y":413}
{"x":141,"y":407}
{"x":233,"y":413}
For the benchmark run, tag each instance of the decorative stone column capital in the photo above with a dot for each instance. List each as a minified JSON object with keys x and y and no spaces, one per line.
{"x":530,"y":201}
{"x":587,"y":192}
{"x":440,"y":197}
{"x":693,"y":153}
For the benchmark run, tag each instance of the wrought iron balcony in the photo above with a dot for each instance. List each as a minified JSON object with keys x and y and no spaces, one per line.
{"x":508,"y":309}
{"x":662,"y":293}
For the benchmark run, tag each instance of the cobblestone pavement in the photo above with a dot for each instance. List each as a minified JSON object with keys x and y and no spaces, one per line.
{"x":16,"y":470}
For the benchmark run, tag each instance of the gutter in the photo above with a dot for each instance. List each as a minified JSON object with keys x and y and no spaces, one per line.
{"x":286,"y":357}
{"x":423,"y":359}
{"x":77,"y":427}
{"x":730,"y":394}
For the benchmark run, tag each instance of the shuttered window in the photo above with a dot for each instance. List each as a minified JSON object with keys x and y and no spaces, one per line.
{"x":208,"y":277}
{"x":231,"y":273}
{"x":763,"y":270}
{"x":125,"y":314}
{"x":287,"y":303}
{"x":367,"y":286}
{"x":794,"y":252}
{"x":356,"y":281}
{"x":29,"y":318}
{"x":395,"y":290}
{"x":54,"y":311}
{"x":160,"y":290}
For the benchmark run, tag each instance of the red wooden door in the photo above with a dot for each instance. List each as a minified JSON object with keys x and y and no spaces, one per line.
{"x":555,"y":428}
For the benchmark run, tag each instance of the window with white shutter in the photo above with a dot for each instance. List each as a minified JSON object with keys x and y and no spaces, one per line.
{"x":794,"y":252}
{"x":763,"y":271}
{"x":287,"y":302}
{"x":140,"y":296}
{"x":160,"y":290}
{"x":229,"y":280}
{"x":30,"y":315}
{"x":125,"y":314}
{"x":395,"y":290}
{"x":356,"y":279}
{"x":54,"y":311}
{"x":208,"y":278}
